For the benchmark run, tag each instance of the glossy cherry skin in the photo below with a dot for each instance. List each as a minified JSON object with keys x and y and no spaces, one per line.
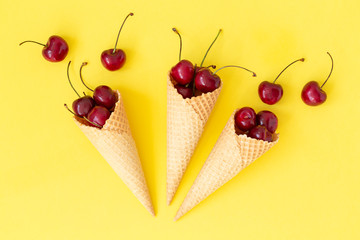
{"x":312,"y":94}
{"x":268,"y":120}
{"x":105,"y":96}
{"x":270,"y":93}
{"x":113,"y":60}
{"x":245,"y":118}
{"x":185,"y":92}
{"x":183,"y":72}
{"x":206,"y":81}
{"x":55,"y":49}
{"x":82,"y":106}
{"x":261,"y":133}
{"x":98,"y":115}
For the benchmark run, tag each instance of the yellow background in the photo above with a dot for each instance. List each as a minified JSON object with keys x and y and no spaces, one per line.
{"x":55,"y":185}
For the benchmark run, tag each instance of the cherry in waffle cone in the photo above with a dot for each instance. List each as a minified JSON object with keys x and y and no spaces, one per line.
{"x":186,"y":119}
{"x":231,"y":154}
{"x":116,"y":144}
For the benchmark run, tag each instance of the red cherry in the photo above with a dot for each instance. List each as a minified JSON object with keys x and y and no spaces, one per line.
{"x":183,"y":72}
{"x":55,"y":50}
{"x":268,"y":120}
{"x":105,"y":96}
{"x":312,"y":94}
{"x":82,"y":106}
{"x":245,"y":118}
{"x":98,"y":115}
{"x":185,"y":92}
{"x":206,"y":81}
{"x":260,"y":133}
{"x":271,"y":93}
{"x":114,"y":59}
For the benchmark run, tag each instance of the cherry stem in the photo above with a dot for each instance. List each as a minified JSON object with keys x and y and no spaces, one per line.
{"x":69,"y":79}
{"x":65,"y":105}
{"x":82,"y":65}
{"x":301,"y":59}
{"x":130,"y":14}
{"x":176,"y":31}
{"x":211,"y":66}
{"x":32,"y":42}
{"x":254,"y":74}
{"x":210,"y":47}
{"x":332,"y":66}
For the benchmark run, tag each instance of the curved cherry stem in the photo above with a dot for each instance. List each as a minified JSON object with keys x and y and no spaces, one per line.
{"x":177,"y":32}
{"x":254,"y":74}
{"x":117,"y":39}
{"x":211,"y":66}
{"x":301,"y":60}
{"x":82,"y":65}
{"x":69,"y":79}
{"x":210,"y":47}
{"x":32,"y":42}
{"x":95,"y":124}
{"x":332,"y":66}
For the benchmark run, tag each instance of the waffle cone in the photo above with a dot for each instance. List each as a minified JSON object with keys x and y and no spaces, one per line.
{"x":186,"y":119}
{"x":231,"y":154}
{"x":116,"y":144}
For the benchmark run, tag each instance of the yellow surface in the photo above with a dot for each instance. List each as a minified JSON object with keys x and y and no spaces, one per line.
{"x":55,"y":185}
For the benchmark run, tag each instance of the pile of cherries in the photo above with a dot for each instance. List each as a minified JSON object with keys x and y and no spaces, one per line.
{"x":261,"y":126}
{"x":195,"y":80}
{"x":97,"y":109}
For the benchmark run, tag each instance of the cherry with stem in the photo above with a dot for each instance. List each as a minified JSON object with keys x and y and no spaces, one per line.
{"x":114,"y":59}
{"x":183,"y":71}
{"x":55,"y":50}
{"x":206,"y":81}
{"x":312,"y":94}
{"x":271,"y":93}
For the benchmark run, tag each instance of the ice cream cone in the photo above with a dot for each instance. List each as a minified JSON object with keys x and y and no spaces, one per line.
{"x":116,"y":144}
{"x":231,"y":154}
{"x":186,"y":119}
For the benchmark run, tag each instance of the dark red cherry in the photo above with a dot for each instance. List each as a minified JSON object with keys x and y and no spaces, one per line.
{"x":206,"y":81}
{"x":245,"y":118}
{"x":268,"y":120}
{"x":261,"y":133}
{"x":185,"y":92}
{"x":114,"y":59}
{"x":183,"y":72}
{"x":105,"y":96}
{"x":271,"y":93}
{"x":312,"y":94}
{"x":55,"y":50}
{"x":82,"y":106}
{"x":98,"y":115}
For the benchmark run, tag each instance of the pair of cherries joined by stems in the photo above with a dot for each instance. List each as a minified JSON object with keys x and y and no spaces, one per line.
{"x":97,"y":109}
{"x":261,"y":126}
{"x":56,"y":50}
{"x":312,"y":94}
{"x":193,"y":80}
